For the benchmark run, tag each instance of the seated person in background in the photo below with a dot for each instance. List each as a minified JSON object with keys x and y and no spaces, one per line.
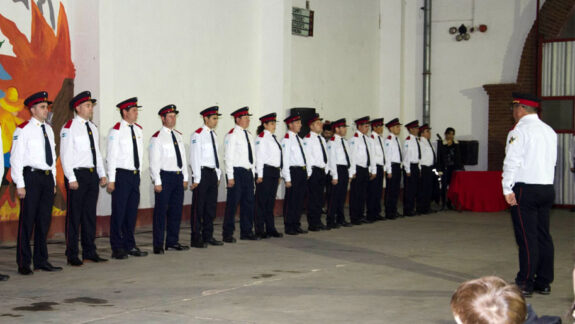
{"x":490,"y":300}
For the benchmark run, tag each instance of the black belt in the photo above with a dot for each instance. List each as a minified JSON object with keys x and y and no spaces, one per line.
{"x":129,"y":171}
{"x":208,"y":168}
{"x":91,"y":170}
{"x":271,"y":166}
{"x":171,"y":172}
{"x":297,"y":167}
{"x":318,"y":168}
{"x":395,"y":163}
{"x":31,"y":169}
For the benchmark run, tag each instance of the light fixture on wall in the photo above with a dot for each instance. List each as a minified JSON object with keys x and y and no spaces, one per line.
{"x":464,"y":32}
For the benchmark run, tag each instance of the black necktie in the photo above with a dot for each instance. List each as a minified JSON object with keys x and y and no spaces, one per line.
{"x":301,"y":149}
{"x":215,"y":150}
{"x":399,"y":148}
{"x":322,"y":150}
{"x":418,"y":149}
{"x":47,"y":147}
{"x":92,"y":144}
{"x":250,"y":155}
{"x":281,"y":152}
{"x":366,"y":151}
{"x":135,"y":149}
{"x":382,"y":151}
{"x":177,"y":147}
{"x":432,"y":150}
{"x":345,"y":151}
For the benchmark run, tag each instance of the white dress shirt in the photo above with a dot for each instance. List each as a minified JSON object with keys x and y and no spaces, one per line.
{"x":202,"y":152}
{"x":378,"y":152}
{"x":76,"y":150}
{"x":336,"y":156}
{"x":428,"y":155}
{"x":28,"y":150}
{"x":120,"y":148}
{"x":358,"y":144}
{"x":268,"y":151}
{"x":236,"y":151}
{"x":314,"y":152}
{"x":292,"y":147}
{"x":530,"y":154}
{"x":392,"y":149}
{"x":162,"y":154}
{"x":411,"y":152}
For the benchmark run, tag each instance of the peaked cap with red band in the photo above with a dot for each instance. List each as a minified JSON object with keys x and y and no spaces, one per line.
{"x":362,"y":120}
{"x":37,"y":98}
{"x":393,"y":122}
{"x":81,"y":98}
{"x":377,"y":122}
{"x":526,"y":100}
{"x":214,"y":110}
{"x":128,"y":103}
{"x":339,"y":123}
{"x":268,"y":118}
{"x":413,"y":124}
{"x":314,"y":118}
{"x":291,"y":118}
{"x":244,"y":111}
{"x":168,"y":109}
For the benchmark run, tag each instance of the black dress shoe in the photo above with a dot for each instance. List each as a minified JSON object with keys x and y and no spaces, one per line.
{"x":391,"y":217}
{"x":75,"y":262}
{"x":26,"y":271}
{"x":198,"y":244}
{"x":335,"y":226}
{"x":4,"y":277}
{"x":249,"y":237}
{"x":229,"y":239}
{"x":177,"y":247}
{"x":379,"y":218}
{"x":275,"y":234}
{"x":314,"y":228}
{"x":158,"y":250}
{"x":95,"y":258}
{"x":119,"y":254}
{"x":262,"y":235}
{"x":135,"y":251}
{"x":357,"y":223}
{"x":47,"y":267}
{"x":291,"y":232}
{"x":526,"y":291}
{"x":409,"y":214}
{"x":300,"y":230}
{"x":345,"y":224}
{"x":542,"y":289}
{"x":214,"y":242}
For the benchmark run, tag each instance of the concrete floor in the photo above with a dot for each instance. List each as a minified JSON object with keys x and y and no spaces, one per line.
{"x":401,"y":271}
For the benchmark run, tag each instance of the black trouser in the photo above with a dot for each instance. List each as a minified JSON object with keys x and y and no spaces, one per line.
{"x":241,"y":193}
{"x":204,"y":203}
{"x":392,"y":191}
{"x":445,"y":181}
{"x":294,"y":197}
{"x":168,"y":209}
{"x":425,"y":189}
{"x":374,"y":191}
{"x":358,"y":194}
{"x":410,"y":189}
{"x":327,"y":193}
{"x":315,"y":186}
{"x":125,"y":201}
{"x":265,"y":200}
{"x":35,"y":215}
{"x":81,"y":213}
{"x":531,"y":226}
{"x":337,"y":197}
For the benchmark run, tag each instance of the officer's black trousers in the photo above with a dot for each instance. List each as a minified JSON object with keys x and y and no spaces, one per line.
{"x":35,"y":215}
{"x":168,"y":209}
{"x":315,"y":187}
{"x":265,"y":200}
{"x":531,"y":226}
{"x":358,"y":194}
{"x":337,"y":197}
{"x":294,"y":198}
{"x":410,"y":189}
{"x":425,"y":189}
{"x":125,"y":201}
{"x":81,"y":213}
{"x":392,"y":191}
{"x":241,"y":193}
{"x":204,"y":203}
{"x":374,"y":192}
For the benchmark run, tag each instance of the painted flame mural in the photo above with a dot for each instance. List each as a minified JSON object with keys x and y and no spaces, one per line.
{"x":42,"y":63}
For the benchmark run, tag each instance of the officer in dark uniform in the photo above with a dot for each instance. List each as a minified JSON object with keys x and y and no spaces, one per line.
{"x":169,"y":171}
{"x":125,"y":151}
{"x":206,"y":175}
{"x":393,"y":155}
{"x":33,"y":162}
{"x":83,"y":170}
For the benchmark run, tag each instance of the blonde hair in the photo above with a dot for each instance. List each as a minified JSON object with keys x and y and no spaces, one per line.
{"x":488,"y":300}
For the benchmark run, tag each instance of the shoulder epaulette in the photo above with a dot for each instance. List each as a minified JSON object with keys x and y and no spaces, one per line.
{"x":68,"y":124}
{"x":117,"y":126}
{"x":286,"y":135}
{"x":408,"y":138}
{"x":261,"y":134}
{"x":356,"y":135}
{"x":231,"y":131}
{"x":23,"y":124}
{"x":389,"y":137}
{"x":308,"y":135}
{"x":372,"y":136}
{"x":199,"y":130}
{"x":138,"y":126}
{"x":156,"y":134}
{"x":332,"y":138}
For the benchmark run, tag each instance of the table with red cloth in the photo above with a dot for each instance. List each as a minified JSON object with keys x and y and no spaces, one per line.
{"x":478,"y":191}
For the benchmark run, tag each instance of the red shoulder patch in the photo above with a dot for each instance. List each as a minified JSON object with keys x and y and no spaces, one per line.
{"x":156,"y":134}
{"x":23,"y":124}
{"x":308,"y":135}
{"x":286,"y":135}
{"x":372,"y":136}
{"x":138,"y":126}
{"x":117,"y":126}
{"x":408,"y":138}
{"x":332,"y":138}
{"x":199,"y":130}
{"x":69,"y":123}
{"x":261,"y":134}
{"x":356,"y":135}
{"x":389,"y":137}
{"x":231,"y":131}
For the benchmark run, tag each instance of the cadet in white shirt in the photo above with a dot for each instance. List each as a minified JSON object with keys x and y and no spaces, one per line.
{"x":269,"y":161}
{"x":33,"y":170}
{"x":375,"y":186}
{"x":83,"y":170}
{"x":240,"y":169}
{"x":411,"y":157}
{"x":125,"y":152}
{"x":295,"y":172}
{"x":393,"y":168}
{"x":3,"y":277}
{"x":169,"y":172}
{"x":316,"y":153}
{"x":428,"y":161}
{"x":528,"y":172}
{"x":365,"y":170}
{"x":339,"y":165}
{"x":206,"y":175}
